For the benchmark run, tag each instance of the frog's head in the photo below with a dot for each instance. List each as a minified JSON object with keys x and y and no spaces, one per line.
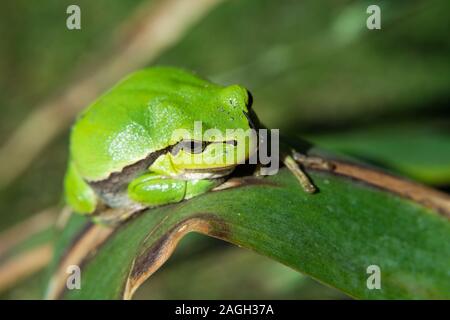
{"x":224,"y":138}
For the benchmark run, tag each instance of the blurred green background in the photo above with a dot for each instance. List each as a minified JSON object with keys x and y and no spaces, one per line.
{"x":314,"y":70}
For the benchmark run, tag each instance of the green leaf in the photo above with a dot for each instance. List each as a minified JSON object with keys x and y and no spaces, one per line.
{"x":333,"y":236}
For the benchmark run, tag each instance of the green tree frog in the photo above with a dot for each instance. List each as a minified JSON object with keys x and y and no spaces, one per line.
{"x":124,"y":156}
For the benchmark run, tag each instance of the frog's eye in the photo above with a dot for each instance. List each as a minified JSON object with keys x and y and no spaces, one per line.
{"x":189,"y":146}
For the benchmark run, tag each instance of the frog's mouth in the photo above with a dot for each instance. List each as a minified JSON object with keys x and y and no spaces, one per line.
{"x":206,"y":173}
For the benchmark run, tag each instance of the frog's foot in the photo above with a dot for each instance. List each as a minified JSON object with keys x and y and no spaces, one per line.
{"x":152,"y":190}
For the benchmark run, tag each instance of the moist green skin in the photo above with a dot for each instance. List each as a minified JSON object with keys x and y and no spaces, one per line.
{"x":134,"y":121}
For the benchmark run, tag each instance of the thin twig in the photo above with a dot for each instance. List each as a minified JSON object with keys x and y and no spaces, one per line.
{"x":23,"y":230}
{"x":23,"y":265}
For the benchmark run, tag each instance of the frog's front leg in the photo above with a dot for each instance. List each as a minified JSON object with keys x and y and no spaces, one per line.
{"x":151,"y":190}
{"x":154,"y":190}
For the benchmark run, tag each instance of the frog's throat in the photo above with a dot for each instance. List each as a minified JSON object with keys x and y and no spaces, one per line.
{"x":205,"y":173}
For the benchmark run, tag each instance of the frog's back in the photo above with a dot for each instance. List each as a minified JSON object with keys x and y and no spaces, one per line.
{"x":137,"y":117}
